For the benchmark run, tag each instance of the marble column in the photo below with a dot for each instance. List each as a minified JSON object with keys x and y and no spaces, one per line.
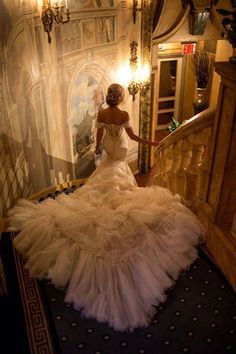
{"x":145,"y":99}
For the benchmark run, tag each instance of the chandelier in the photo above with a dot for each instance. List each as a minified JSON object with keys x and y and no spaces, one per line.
{"x":57,"y":11}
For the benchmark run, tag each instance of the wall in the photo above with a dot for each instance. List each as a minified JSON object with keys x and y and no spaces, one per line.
{"x":50,"y":93}
{"x":223,"y":52}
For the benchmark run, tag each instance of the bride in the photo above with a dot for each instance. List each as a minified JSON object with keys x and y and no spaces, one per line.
{"x":112,"y":246}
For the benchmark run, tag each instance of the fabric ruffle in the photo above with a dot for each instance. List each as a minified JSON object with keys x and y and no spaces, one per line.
{"x":112,"y":246}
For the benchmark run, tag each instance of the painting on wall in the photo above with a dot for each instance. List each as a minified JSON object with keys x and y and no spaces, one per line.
{"x":88,"y":33}
{"x":87,"y":99}
{"x":80,"y":34}
{"x":105,"y":3}
{"x":105,"y":30}
{"x":33,"y":156}
{"x":78,"y":4}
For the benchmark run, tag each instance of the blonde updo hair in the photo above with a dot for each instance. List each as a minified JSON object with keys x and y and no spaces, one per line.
{"x":115,"y":95}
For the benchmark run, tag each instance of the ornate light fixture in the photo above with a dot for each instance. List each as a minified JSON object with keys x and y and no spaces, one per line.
{"x":144,"y":86}
{"x":133,"y":87}
{"x":199,"y":15}
{"x":57,"y":11}
{"x":139,"y":75}
{"x":136,"y":8}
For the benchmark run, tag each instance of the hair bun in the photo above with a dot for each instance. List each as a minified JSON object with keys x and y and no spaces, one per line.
{"x":112,"y":100}
{"x":115,"y":95}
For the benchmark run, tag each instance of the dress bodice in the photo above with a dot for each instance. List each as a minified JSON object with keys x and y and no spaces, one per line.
{"x":115,"y":140}
{"x":114,"y":130}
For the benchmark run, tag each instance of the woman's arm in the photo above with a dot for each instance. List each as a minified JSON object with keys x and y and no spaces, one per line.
{"x":135,"y":137}
{"x":99,"y":134}
{"x":98,"y":140}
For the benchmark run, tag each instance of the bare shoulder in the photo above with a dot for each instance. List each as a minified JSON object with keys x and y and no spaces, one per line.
{"x":125,"y":116}
{"x":112,"y":116}
{"x":101,"y":115}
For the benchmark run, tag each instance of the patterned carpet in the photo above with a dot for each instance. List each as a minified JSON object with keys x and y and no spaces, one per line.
{"x":198,"y":317}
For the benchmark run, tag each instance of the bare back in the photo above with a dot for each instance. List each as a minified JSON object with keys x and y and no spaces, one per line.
{"x":112,"y":116}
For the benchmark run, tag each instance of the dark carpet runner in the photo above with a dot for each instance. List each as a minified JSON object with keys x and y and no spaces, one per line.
{"x":199,"y":317}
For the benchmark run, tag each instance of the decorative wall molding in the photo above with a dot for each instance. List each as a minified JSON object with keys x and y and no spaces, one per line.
{"x":175,"y":26}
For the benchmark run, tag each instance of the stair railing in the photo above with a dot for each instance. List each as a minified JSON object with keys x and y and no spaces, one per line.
{"x":183,"y":159}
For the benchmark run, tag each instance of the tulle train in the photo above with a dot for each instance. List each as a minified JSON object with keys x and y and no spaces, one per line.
{"x":113,"y":247}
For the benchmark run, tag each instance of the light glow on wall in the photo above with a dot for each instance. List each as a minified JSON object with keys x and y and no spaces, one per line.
{"x":124,"y":75}
{"x":144,"y":72}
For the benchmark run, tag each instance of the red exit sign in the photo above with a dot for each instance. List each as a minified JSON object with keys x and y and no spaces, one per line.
{"x":188,"y":48}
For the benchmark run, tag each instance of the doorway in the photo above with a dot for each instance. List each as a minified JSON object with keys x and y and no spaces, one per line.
{"x":168,"y":90}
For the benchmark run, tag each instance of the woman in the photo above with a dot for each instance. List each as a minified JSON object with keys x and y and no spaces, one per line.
{"x":114,"y":247}
{"x":114,"y":116}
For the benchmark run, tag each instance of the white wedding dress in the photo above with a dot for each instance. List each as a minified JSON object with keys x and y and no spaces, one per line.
{"x":113,"y":246}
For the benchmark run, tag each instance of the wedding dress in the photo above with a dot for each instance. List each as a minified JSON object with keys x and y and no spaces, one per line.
{"x":113,"y":246}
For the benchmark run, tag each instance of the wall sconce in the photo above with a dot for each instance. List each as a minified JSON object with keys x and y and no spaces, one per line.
{"x":136,"y":8}
{"x":139,"y":74}
{"x":55,"y":12}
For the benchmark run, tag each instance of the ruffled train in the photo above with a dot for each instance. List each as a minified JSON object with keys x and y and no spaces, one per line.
{"x":114,"y":247}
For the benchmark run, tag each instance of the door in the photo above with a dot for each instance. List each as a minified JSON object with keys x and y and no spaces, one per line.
{"x":168,"y":90}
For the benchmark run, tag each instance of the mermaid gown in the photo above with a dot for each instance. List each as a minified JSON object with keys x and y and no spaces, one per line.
{"x":113,"y":247}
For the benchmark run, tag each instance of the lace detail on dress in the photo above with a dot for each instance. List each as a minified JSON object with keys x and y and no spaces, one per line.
{"x":126,"y":124}
{"x":114,"y":131}
{"x":99,"y":124}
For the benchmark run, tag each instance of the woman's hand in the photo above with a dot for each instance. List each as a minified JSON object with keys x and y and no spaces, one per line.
{"x":154,"y":143}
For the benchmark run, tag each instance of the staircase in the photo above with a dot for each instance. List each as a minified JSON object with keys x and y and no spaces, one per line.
{"x":183,"y":159}
{"x":198,"y":161}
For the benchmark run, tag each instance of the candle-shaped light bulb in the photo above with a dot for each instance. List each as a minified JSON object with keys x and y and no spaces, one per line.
{"x":145,"y":72}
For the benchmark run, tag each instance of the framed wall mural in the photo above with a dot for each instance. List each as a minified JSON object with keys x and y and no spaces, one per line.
{"x":79,"y":34}
{"x":86,"y":100}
